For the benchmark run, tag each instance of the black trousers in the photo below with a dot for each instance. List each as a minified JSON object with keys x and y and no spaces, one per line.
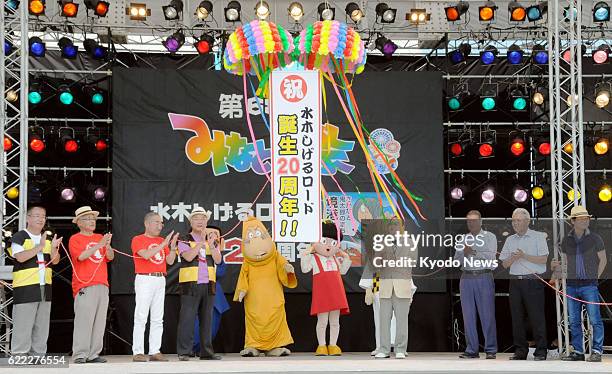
{"x":527,"y":306}
{"x":198,"y":301}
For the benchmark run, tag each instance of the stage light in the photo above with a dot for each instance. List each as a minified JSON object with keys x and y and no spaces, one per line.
{"x":601,"y":12}
{"x":536,"y":12}
{"x":67,"y":194}
{"x":204,"y":10}
{"x":517,"y":12}
{"x":94,"y":49}
{"x":354,"y":12}
{"x":539,"y":95}
{"x":571,"y":195}
{"x":296,"y":11}
{"x":8,"y":47}
{"x":520,"y":194}
{"x":489,"y":55}
{"x":205,"y":43}
{"x":457,"y":149}
{"x":602,"y":146}
{"x":69,"y":8}
{"x":65,"y":95}
{"x":8,"y":144}
{"x":35,"y":92}
{"x":515,"y":55}
{"x":12,"y":193}
{"x":262,"y":10}
{"x":537,"y":192}
{"x":544,"y":147}
{"x":486,"y":12}
{"x":488,"y":96}
{"x":385,"y":14}
{"x":486,"y":150}
{"x":567,"y":54}
{"x":460,"y":54}
{"x":174,"y":42}
{"x":519,"y":98}
{"x":517,"y":146}
{"x":454,"y":13}
{"x":568,"y":148}
{"x":173,"y":10}
{"x":602,"y":94}
{"x":326,"y":13}
{"x":605,"y":193}
{"x":100,"y":8}
{"x":69,"y":50}
{"x":37,"y":47}
{"x":37,"y":143}
{"x":569,"y":100}
{"x":539,"y":54}
{"x":232,"y":11}
{"x":386,"y":46}
{"x":487,"y":195}
{"x":459,"y":99}
{"x":601,"y":54}
{"x":458,"y":192}
{"x":69,"y":143}
{"x":11,"y":96}
{"x":94,"y":94}
{"x":98,"y":193}
{"x":418,"y":16}
{"x":138,"y":11}
{"x":100,"y":145}
{"x":36,"y":7}
{"x":567,"y":13}
{"x":12,"y":4}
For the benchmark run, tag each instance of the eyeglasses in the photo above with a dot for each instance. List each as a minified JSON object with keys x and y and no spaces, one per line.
{"x":87,"y":219}
{"x":37,"y":217}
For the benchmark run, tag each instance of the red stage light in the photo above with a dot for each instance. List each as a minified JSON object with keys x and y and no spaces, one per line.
{"x":485,"y":150}
{"x":517,"y":147}
{"x":101,"y":8}
{"x":37,"y":144}
{"x":70,"y":9}
{"x":452,"y":14}
{"x":71,"y":146}
{"x":456,"y":149}
{"x":8,"y":144}
{"x":101,"y":145}
{"x":203,"y":47}
{"x":544,"y":148}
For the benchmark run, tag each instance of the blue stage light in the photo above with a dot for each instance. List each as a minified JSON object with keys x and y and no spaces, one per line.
{"x":515,"y":55}
{"x":37,"y":47}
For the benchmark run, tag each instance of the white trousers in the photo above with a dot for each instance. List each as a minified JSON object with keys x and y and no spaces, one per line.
{"x":376,"y":307}
{"x":150,"y":294}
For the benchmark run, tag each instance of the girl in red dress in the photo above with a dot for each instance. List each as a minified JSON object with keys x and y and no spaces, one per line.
{"x":328,"y":295}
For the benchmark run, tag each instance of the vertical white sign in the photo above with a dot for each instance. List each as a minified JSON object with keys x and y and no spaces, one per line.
{"x":295,"y":138}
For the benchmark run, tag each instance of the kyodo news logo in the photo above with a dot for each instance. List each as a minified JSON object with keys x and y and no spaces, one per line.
{"x":293,"y":88}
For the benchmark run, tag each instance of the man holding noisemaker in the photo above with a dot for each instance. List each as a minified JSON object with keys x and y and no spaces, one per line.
{"x":151,"y":254}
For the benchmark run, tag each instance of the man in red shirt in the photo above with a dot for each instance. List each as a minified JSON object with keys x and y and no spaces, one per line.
{"x":89,"y":252}
{"x":151,"y":254}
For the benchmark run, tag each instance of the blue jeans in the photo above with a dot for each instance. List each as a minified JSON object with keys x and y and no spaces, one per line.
{"x":586,"y":293}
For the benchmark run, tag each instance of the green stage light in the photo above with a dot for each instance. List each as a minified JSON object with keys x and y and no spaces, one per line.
{"x":65,"y":96}
{"x":488,"y":103}
{"x":35,"y":93}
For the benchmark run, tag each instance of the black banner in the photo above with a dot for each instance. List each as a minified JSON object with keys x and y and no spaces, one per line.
{"x":181,"y":138}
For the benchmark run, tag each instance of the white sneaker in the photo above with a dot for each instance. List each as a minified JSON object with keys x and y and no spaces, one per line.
{"x":400,"y":355}
{"x":381,"y":355}
{"x":374,"y":352}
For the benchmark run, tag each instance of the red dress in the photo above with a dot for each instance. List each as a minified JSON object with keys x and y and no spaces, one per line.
{"x":327,"y":290}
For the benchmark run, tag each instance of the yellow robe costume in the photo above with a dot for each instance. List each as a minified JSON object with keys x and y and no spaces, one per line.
{"x":264,"y":303}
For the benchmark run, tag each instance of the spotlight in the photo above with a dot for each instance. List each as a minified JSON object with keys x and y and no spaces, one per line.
{"x":454,"y":13}
{"x":232,"y":11}
{"x":100,"y":8}
{"x":489,"y":55}
{"x":539,"y":191}
{"x":486,"y":150}
{"x":35,"y":92}
{"x":544,"y":147}
{"x":386,"y":46}
{"x":519,"y":98}
{"x":65,"y":95}
{"x":601,"y":54}
{"x":11,"y":96}
{"x":601,"y":12}
{"x":94,"y":94}
{"x":69,"y":50}
{"x":486,"y":12}
{"x":487,"y":195}
{"x":417,"y":16}
{"x":96,"y":144}
{"x":204,"y":44}
{"x":174,"y":42}
{"x":69,"y":144}
{"x":204,"y":10}
{"x":568,"y":148}
{"x":539,"y":55}
{"x":94,"y":49}
{"x":69,"y":8}
{"x":8,"y":47}
{"x":8,"y":144}
{"x":37,"y":143}
{"x":517,"y":146}
{"x":567,"y":54}
{"x":515,"y":55}
{"x":354,"y":12}
{"x":262,"y":10}
{"x":458,"y":192}
{"x":460,"y":54}
{"x":459,"y":99}
{"x":173,"y":10}
{"x":37,"y":47}
{"x":12,"y":4}
{"x":567,"y":13}
{"x":12,"y":193}
{"x":602,"y":94}
{"x":602,"y":146}
{"x":539,"y":95}
{"x":98,"y":193}
{"x":605,"y":193}
{"x":517,"y":12}
{"x":520,"y":194}
{"x":488,"y":96}
{"x":571,"y":195}
{"x":569,"y":100}
{"x":457,"y":149}
{"x":536,"y":12}
{"x":36,"y":7}
{"x":385,"y":14}
{"x":67,"y":194}
{"x":296,"y":11}
{"x":138,"y":11}
{"x":326,"y":13}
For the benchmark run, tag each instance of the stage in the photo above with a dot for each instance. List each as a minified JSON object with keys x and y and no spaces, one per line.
{"x":349,"y":362}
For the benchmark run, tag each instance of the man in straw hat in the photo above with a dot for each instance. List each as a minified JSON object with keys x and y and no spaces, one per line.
{"x":583,"y":252}
{"x":89,"y":252}
{"x":200,"y":254}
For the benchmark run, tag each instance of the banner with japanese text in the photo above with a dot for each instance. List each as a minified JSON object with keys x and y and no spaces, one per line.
{"x":295,"y":140}
{"x":181,"y":139}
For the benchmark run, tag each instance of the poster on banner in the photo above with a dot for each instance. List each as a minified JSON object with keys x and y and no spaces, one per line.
{"x":295,"y":141}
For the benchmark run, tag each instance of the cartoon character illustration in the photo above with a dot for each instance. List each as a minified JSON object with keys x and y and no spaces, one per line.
{"x":328,"y":295}
{"x":263,"y":274}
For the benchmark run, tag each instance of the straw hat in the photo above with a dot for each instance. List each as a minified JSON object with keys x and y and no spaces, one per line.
{"x":200,"y":210}
{"x":579,"y":211}
{"x":83,"y":211}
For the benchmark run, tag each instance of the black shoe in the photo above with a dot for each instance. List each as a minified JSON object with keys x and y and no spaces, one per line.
{"x":573,"y":357}
{"x":539,"y":358}
{"x":595,"y":357}
{"x":491,"y":356}
{"x":469,"y":355}
{"x":97,"y":360}
{"x":214,"y":356}
{"x":515,"y":357}
{"x":192,"y":354}
{"x":79,"y":361}
{"x":183,"y":357}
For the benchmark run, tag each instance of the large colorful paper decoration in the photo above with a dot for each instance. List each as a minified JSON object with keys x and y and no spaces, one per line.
{"x":321,"y":43}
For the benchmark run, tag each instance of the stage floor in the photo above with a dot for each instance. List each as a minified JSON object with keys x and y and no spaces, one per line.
{"x":348,"y":362}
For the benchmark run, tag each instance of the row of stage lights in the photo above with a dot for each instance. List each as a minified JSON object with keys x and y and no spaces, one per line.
{"x":69,"y":8}
{"x":38,"y":91}
{"x":66,"y":193}
{"x":66,"y":142}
